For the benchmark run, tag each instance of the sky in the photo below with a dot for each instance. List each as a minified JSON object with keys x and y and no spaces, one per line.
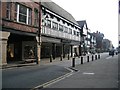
{"x":101,"y":15}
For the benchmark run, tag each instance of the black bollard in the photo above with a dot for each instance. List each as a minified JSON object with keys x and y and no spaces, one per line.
{"x":68,"y":57}
{"x":61,"y":57}
{"x":99,"y":56}
{"x":87,"y":58}
{"x":95,"y":57}
{"x":50,"y":58}
{"x":92,"y":57}
{"x":81,"y":60}
{"x":73,"y":62}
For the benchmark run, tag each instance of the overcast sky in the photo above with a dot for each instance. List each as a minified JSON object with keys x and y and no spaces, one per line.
{"x":101,"y":15}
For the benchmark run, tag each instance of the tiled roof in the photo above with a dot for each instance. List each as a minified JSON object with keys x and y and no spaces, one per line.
{"x":59,"y":11}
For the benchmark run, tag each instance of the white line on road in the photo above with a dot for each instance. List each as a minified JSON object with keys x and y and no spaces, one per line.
{"x":88,"y":73}
{"x":109,"y":57}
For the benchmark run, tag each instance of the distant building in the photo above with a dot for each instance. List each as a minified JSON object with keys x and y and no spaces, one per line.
{"x":107,"y":45}
{"x":99,"y":37}
{"x":84,"y":30}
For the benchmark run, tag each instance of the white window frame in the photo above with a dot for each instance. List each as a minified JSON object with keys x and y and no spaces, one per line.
{"x":18,"y":13}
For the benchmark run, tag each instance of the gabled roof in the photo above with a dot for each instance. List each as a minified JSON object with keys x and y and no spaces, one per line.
{"x":60,"y":11}
{"x":82,"y":23}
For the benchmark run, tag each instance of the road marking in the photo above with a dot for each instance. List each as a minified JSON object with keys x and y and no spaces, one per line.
{"x":88,"y":73}
{"x":109,"y":57}
{"x":54,"y":80}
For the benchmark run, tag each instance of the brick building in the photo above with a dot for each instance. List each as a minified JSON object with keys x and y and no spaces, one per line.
{"x":19,"y":31}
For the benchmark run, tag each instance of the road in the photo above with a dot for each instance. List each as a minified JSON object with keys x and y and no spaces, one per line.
{"x":89,"y":73}
{"x":29,"y":77}
{"x":102,"y":73}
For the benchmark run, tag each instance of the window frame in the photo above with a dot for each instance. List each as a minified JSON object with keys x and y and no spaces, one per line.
{"x":49,"y":23}
{"x":28,"y":14}
{"x":8,"y":10}
{"x":54,"y":25}
{"x":65,"y":29}
{"x":60,"y":27}
{"x":70,"y":31}
{"x":36,"y":17}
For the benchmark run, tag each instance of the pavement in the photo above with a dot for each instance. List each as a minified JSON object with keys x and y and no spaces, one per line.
{"x":47,"y":61}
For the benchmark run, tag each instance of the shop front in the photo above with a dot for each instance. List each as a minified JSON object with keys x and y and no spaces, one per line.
{"x":21,"y":48}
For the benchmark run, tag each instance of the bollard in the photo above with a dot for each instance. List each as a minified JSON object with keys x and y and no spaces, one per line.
{"x":73,"y":62}
{"x":50,"y":58}
{"x":68,"y":57}
{"x":61,"y":57}
{"x":81,"y":60}
{"x":92,"y":57}
{"x":99,"y":56}
{"x":87,"y":58}
{"x":95,"y":57}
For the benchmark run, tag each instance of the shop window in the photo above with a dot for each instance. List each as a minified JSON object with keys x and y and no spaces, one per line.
{"x":29,"y":52}
{"x":23,"y":14}
{"x":8,"y":10}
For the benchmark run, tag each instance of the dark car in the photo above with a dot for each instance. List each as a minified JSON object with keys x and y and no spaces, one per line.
{"x":111,"y":52}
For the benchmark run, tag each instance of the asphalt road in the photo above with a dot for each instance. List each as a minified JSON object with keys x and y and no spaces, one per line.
{"x":30,"y":77}
{"x":101,"y":73}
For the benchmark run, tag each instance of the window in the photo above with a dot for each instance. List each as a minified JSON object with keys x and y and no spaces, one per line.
{"x":74,"y":32}
{"x":65,"y":29}
{"x":23,"y":14}
{"x":60,"y":27}
{"x":36,"y":17}
{"x":55,"y":25}
{"x":88,"y":36}
{"x":70,"y":31}
{"x":78,"y":33}
{"x":8,"y":10}
{"x":49,"y":23}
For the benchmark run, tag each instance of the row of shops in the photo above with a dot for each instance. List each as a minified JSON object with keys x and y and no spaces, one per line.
{"x":20,"y":41}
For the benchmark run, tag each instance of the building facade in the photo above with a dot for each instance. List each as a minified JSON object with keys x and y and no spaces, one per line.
{"x":31,"y":31}
{"x":84,"y":30}
{"x":60,"y":32}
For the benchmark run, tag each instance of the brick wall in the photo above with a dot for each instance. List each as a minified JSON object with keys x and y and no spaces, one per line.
{"x":12,"y":22}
